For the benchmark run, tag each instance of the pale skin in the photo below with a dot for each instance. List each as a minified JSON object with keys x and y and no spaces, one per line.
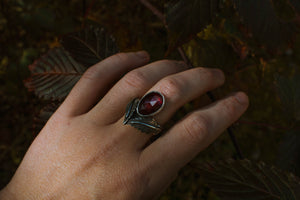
{"x":85,"y":151}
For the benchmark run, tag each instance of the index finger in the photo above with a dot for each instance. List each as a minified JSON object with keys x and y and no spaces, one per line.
{"x":194,"y":133}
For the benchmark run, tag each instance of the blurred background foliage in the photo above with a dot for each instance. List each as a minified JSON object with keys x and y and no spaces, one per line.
{"x":258,"y":51}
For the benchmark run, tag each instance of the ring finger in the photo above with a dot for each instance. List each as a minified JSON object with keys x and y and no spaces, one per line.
{"x":135,"y":83}
{"x":179,"y":89}
{"x":183,"y":87}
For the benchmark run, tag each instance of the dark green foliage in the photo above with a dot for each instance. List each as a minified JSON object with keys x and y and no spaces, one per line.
{"x":289,"y":93}
{"x":185,"y":18}
{"x":289,"y":154}
{"x":261,"y":19}
{"x":250,"y":40}
{"x":90,"y":45}
{"x":212,"y":53}
{"x":250,"y":181}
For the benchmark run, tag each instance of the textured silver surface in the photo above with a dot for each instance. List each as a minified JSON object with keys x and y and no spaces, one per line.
{"x":145,"y":124}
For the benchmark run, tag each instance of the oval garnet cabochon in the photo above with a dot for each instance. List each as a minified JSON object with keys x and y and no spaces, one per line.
{"x":150,"y":103}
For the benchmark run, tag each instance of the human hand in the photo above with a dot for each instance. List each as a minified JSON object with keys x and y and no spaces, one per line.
{"x":85,"y":152}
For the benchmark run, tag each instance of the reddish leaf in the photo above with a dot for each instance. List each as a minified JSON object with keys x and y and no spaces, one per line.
{"x":90,"y":46}
{"x":54,"y":75}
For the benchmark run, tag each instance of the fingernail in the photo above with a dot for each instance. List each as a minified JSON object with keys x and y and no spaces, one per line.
{"x":142,"y":54}
{"x":242,"y":98}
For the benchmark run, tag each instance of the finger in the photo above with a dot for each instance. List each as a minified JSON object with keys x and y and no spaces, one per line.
{"x":134,"y":84}
{"x":180,"y":88}
{"x":97,"y":80}
{"x":194,"y":133}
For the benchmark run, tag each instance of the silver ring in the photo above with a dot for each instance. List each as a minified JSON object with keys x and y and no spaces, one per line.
{"x":139,"y":112}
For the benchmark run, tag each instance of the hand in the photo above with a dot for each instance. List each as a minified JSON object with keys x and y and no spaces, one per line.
{"x":85,"y":151}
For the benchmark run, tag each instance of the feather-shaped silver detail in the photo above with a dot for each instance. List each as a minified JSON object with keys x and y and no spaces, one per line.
{"x":130,"y":109}
{"x":144,"y":124}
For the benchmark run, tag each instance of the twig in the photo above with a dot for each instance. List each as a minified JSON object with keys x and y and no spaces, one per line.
{"x":235,"y":143}
{"x":154,"y":10}
{"x":229,"y":129}
{"x":184,"y":57}
{"x":160,"y":15}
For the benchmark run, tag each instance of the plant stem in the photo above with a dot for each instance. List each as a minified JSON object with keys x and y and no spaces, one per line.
{"x":154,"y":10}
{"x":184,"y":56}
{"x":160,"y":15}
{"x":213,"y":99}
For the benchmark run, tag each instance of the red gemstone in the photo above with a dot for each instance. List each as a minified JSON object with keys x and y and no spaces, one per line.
{"x":150,"y":103}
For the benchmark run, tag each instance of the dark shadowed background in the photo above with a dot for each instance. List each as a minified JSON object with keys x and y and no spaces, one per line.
{"x":259,"y":52}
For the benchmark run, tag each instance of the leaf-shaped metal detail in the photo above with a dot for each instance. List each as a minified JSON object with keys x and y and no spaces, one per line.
{"x":145,"y":124}
{"x":243,"y":179}
{"x":54,"y":75}
{"x":90,"y":46}
{"x":130,"y":109}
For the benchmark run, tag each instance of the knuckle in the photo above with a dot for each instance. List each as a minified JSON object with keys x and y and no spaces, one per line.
{"x":178,"y":65}
{"x":165,"y":62}
{"x":171,"y":87}
{"x":121,"y":57}
{"x":196,"y":128}
{"x":136,"y":78}
{"x":90,"y":73}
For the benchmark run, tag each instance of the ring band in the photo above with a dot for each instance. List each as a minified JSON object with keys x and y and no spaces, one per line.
{"x":140,"y":112}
